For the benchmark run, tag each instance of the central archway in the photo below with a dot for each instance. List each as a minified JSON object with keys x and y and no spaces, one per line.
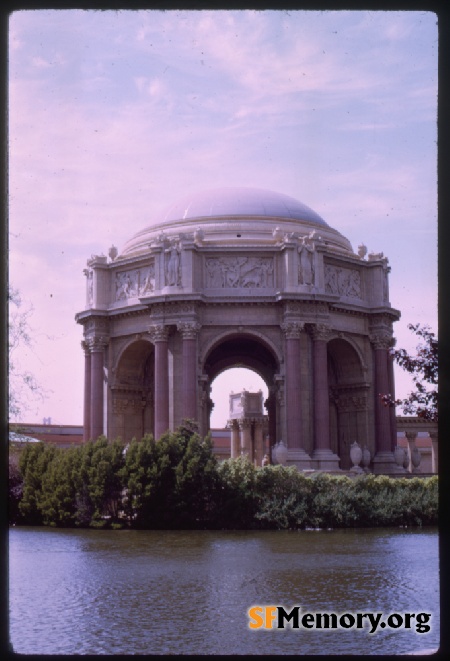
{"x":241,"y":349}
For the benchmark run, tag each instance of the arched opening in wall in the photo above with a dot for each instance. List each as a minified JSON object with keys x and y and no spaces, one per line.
{"x":233,"y":380}
{"x":132,"y":392}
{"x":238,"y":362}
{"x":348,"y":400}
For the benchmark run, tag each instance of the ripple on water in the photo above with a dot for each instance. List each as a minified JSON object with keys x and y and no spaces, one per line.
{"x":142,"y":592}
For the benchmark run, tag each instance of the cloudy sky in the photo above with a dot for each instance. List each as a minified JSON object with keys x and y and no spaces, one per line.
{"x":114,"y":115}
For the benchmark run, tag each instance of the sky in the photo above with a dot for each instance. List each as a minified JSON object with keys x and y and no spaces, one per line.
{"x":114,"y":115}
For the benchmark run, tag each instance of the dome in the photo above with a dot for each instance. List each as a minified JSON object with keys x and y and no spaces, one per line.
{"x":232,"y":202}
{"x":228,"y":216}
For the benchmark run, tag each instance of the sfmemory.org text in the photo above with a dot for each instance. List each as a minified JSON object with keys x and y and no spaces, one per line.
{"x":278,"y":617}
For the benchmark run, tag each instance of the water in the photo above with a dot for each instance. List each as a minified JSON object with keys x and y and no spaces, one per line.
{"x":176,"y":592}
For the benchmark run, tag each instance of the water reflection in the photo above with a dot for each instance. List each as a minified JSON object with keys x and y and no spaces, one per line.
{"x":176,"y":592}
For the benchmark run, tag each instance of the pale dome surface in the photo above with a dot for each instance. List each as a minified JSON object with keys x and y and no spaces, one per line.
{"x":235,"y":215}
{"x":231,"y":202}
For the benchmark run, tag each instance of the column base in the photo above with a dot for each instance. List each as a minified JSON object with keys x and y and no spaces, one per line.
{"x":325,"y":460}
{"x":299,"y":458}
{"x":384,"y":464}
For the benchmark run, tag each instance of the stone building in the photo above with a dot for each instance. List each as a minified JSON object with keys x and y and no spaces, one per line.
{"x":250,"y":278}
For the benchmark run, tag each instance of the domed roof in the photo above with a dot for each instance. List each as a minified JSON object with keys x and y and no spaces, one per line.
{"x":231,"y":216}
{"x":231,"y":202}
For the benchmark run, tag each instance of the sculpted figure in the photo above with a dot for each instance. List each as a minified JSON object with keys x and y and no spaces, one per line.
{"x":149,"y":281}
{"x":306,"y":254}
{"x":173,"y":265}
{"x":331,"y":285}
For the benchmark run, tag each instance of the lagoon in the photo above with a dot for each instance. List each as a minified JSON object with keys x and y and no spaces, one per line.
{"x":189,"y":592}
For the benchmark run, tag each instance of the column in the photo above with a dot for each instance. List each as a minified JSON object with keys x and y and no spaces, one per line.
{"x":434,"y":451}
{"x":393,"y":417}
{"x":160,"y":337}
{"x":97,"y":347}
{"x":414,"y":454}
{"x":189,"y":332}
{"x":235,"y":440}
{"x":383,"y":461}
{"x":322,"y":457}
{"x":259,"y":442}
{"x":246,"y":437}
{"x":271,"y":406}
{"x":87,"y":392}
{"x":294,"y":441}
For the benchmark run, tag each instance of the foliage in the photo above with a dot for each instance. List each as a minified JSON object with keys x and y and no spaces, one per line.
{"x":15,"y":483}
{"x":33,"y":463}
{"x":238,"y":498}
{"x":23,"y":385}
{"x":171,"y":482}
{"x":177,"y":483}
{"x":423,"y":401}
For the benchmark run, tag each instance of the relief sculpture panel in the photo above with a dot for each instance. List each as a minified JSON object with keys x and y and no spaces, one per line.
{"x":342,"y":281}
{"x":137,"y":282}
{"x":230,"y":272}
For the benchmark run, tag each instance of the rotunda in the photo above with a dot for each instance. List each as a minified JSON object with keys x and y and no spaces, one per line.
{"x":252,"y":278}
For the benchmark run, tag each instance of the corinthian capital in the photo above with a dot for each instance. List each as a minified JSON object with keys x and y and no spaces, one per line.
{"x":189,"y":329}
{"x":381,"y":339}
{"x":292,"y":329}
{"x":320,"y":332}
{"x":96,"y":343}
{"x":158,"y":332}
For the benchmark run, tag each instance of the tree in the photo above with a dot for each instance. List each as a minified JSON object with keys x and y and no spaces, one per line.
{"x":423,"y":401}
{"x":23,"y":385}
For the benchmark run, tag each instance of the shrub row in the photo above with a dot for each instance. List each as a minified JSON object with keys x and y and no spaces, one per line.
{"x":176,"y":482}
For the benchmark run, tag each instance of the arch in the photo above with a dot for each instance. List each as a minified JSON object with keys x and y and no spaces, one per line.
{"x":348,"y":398}
{"x":132,"y":391}
{"x":235,"y":343}
{"x":130,"y":343}
{"x":244,"y":348}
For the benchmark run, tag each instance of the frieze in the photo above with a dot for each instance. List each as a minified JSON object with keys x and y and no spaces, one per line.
{"x":172,"y":308}
{"x":96,"y":325}
{"x":297,"y":307}
{"x":122,"y":405}
{"x":349,"y":399}
{"x":341,"y":281}
{"x":136,"y":282}
{"x":239,"y":272}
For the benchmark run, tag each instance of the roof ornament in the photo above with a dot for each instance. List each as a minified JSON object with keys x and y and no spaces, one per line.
{"x":362,"y":250}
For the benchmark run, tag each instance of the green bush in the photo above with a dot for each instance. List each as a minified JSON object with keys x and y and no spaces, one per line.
{"x":177,"y":483}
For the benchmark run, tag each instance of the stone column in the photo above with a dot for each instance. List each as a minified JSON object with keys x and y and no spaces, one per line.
{"x":434,"y":451}
{"x":87,"y":392}
{"x":412,"y":450}
{"x":235,"y":440}
{"x":294,"y":441}
{"x":322,"y":458}
{"x":189,"y":332}
{"x":271,"y":406}
{"x":160,"y":337}
{"x":97,"y":347}
{"x":259,"y":442}
{"x":393,"y":417}
{"x":246,"y":437}
{"x":383,"y":461}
